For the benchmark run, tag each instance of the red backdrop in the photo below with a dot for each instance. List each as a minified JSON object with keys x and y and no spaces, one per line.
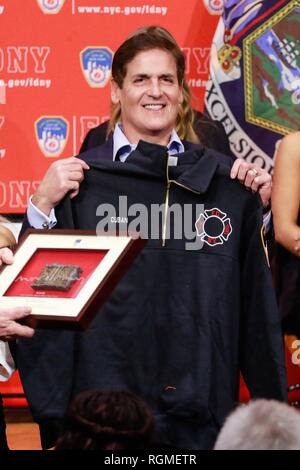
{"x":46,"y":103}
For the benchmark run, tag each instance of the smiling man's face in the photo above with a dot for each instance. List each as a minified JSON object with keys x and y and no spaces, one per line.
{"x":150,"y":97}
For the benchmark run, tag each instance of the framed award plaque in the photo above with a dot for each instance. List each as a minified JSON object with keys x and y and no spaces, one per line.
{"x":65,"y":275}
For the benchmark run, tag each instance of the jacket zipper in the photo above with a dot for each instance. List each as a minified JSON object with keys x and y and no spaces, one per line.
{"x":164,"y":232}
{"x":166,"y":211}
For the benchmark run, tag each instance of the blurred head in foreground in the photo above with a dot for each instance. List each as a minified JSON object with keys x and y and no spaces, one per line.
{"x":108,"y":420}
{"x":261,"y":425}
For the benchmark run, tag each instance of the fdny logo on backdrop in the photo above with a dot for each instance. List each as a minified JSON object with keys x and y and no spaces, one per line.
{"x":213,"y":227}
{"x":52,"y":134}
{"x":214,"y":7}
{"x":96,"y":65}
{"x":50,"y":6}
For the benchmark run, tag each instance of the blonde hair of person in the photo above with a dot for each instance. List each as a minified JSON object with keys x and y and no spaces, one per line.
{"x":144,"y":39}
{"x":6,"y":236}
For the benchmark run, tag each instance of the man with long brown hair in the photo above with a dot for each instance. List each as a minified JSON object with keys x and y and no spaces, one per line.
{"x":181,"y":323}
{"x":64,"y":176}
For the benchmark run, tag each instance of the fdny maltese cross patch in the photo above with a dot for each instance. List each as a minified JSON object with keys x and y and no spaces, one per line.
{"x":213,"y":227}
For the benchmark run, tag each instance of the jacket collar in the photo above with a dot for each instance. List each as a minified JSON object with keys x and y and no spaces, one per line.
{"x":195,"y":170}
{"x":199,"y":174}
{"x":101,"y":153}
{"x":195,"y":167}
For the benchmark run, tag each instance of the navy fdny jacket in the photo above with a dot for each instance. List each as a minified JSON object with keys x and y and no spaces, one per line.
{"x":191,"y":312}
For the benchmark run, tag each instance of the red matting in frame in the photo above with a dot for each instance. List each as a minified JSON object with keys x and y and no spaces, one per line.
{"x":88,"y":260}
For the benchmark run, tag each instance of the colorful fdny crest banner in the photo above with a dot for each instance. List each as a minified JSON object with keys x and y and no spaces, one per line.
{"x":254,"y":86}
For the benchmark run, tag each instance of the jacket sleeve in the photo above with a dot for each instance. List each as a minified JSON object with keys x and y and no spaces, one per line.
{"x":211,"y":133}
{"x":262,"y":359}
{"x":7,"y":365}
{"x":25,"y":226}
{"x":63,"y":214}
{"x":95,"y":137}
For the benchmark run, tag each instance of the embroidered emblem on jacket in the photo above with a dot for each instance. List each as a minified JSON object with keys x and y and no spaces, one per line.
{"x":213,"y":227}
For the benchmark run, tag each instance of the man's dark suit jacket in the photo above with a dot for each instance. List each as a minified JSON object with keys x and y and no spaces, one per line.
{"x":211,"y":134}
